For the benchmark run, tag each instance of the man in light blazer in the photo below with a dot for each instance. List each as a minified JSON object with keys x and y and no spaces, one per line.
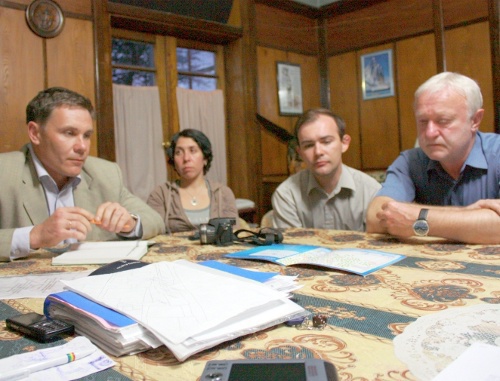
{"x":52,"y":192}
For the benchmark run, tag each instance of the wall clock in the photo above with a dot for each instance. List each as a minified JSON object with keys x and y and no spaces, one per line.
{"x":45,"y":18}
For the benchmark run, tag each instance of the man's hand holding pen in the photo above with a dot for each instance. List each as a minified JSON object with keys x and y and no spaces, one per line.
{"x":113,"y":217}
{"x":75,"y":223}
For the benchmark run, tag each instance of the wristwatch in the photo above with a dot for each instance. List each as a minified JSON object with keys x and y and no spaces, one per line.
{"x":135,"y":217}
{"x":421,"y":227}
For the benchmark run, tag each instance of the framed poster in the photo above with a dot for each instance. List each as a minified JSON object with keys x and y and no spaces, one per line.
{"x":377,"y":75}
{"x":289,"y":88}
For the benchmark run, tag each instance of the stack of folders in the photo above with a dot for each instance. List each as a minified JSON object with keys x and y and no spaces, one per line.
{"x":112,"y":331}
{"x":190,"y":307}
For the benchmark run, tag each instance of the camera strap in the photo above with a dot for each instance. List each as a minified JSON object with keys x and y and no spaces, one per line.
{"x":264,"y":237}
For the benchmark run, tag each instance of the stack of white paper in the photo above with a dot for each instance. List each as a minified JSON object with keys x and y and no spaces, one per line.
{"x":189,"y":307}
{"x":111,"y":331}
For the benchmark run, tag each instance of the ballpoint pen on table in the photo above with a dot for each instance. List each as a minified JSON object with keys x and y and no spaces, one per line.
{"x":43,"y":364}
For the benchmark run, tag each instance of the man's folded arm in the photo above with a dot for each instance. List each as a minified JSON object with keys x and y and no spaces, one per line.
{"x":475,"y":226}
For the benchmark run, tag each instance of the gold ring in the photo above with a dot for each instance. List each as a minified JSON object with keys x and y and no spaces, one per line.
{"x":70,"y":223}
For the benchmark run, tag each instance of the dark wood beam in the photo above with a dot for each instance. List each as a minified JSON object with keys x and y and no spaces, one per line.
{"x":346,"y":6}
{"x":103,"y":86}
{"x":494,"y":20}
{"x":156,"y":22}
{"x":292,"y":7}
{"x":437,"y":14}
{"x":337,"y":8}
{"x":279,"y":132}
{"x":324,"y":82}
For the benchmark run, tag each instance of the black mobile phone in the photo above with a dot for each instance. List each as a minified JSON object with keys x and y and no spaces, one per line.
{"x":39,"y":327}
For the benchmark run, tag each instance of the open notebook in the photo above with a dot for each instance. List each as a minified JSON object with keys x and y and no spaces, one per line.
{"x":90,"y":253}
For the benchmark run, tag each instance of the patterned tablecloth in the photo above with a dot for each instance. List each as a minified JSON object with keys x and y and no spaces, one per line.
{"x":364,"y":313}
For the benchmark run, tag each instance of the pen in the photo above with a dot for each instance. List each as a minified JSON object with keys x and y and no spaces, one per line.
{"x":96,"y":222}
{"x":44,"y":364}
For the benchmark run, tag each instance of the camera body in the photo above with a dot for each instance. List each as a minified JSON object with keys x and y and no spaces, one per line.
{"x":218,"y":231}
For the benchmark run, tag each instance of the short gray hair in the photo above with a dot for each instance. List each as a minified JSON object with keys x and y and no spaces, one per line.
{"x":459,"y":83}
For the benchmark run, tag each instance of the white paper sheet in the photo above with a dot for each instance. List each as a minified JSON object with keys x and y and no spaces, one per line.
{"x":94,"y":362}
{"x":35,"y":286}
{"x":480,"y":362}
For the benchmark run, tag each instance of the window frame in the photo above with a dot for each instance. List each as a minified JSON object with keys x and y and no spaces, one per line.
{"x":165,"y":56}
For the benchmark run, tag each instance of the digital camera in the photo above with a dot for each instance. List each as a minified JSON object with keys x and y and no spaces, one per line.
{"x":218,"y":231}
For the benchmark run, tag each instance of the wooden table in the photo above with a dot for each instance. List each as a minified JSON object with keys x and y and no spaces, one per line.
{"x":364,"y":314}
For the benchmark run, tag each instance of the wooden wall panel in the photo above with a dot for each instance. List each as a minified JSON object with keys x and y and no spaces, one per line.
{"x":344,"y":94}
{"x":309,"y":69}
{"x":379,"y":126}
{"x":462,"y":11}
{"x":285,"y":31}
{"x":415,"y":64}
{"x":20,"y":76}
{"x":72,"y":7}
{"x":273,"y":151}
{"x":395,"y":19}
{"x":379,"y":23}
{"x":70,"y":61}
{"x":235,"y":15}
{"x":468,"y":52}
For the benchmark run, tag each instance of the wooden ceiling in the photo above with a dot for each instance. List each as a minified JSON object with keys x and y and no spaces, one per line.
{"x":338,"y":7}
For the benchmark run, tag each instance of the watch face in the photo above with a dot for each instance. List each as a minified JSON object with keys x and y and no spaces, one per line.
{"x":421,"y":227}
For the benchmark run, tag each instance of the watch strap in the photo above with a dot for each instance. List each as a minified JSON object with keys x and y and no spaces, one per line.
{"x":423,"y":214}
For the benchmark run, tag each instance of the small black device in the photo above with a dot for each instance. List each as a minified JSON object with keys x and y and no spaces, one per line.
{"x":218,"y":231}
{"x":269,"y":370}
{"x":39,"y":327}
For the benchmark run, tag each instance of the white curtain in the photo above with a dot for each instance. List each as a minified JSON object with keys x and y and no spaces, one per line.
{"x":204,"y":111}
{"x":139,"y":138}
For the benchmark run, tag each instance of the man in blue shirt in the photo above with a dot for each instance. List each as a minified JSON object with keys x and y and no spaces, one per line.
{"x":449,"y":187}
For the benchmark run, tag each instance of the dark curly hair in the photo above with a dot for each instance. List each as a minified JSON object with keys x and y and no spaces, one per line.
{"x":200,"y":138}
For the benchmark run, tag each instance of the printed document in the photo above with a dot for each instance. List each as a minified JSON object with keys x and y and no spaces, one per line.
{"x":187,"y":306}
{"x":357,"y":261}
{"x":35,"y":286}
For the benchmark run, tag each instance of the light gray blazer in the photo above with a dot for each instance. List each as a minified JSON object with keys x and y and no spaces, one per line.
{"x":22,"y":199}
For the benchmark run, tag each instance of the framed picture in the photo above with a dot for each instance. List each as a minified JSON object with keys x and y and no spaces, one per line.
{"x":377,"y":75}
{"x":289,"y":88}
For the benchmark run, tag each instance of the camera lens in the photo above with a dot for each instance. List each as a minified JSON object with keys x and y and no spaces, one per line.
{"x":207,"y":234}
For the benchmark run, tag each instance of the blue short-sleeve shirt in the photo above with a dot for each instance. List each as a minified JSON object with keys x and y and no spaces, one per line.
{"x":413,"y":177}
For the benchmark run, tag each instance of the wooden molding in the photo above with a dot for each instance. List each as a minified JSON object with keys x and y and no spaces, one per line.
{"x":347,"y":6}
{"x":157,"y":22}
{"x":494,"y":20}
{"x":292,"y":7}
{"x":437,"y":13}
{"x":104,"y":82}
{"x":338,"y":8}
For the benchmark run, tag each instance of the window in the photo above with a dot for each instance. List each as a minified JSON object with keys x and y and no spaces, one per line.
{"x":133,"y":63}
{"x":196,"y":69}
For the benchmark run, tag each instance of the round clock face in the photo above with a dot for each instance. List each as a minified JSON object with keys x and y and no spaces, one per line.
{"x":45,"y":18}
